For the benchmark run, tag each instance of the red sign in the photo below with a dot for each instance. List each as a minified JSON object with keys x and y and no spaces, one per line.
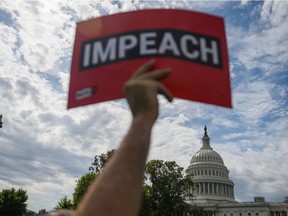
{"x":109,"y":49}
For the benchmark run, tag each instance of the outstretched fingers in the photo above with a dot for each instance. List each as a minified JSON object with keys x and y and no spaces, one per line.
{"x":157,"y":75}
{"x":164,"y":91}
{"x":144,"y":68}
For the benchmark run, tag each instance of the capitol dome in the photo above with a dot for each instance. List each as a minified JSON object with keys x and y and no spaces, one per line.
{"x":210,"y":175}
{"x":207,"y":155}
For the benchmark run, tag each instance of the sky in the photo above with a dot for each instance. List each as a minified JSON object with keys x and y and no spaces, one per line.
{"x":45,"y":148}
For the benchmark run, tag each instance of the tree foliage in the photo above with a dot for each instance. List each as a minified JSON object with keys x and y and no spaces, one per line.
{"x":41,"y":212}
{"x":13,"y":202}
{"x":100,"y":161}
{"x":31,"y":213}
{"x":146,"y":208}
{"x":65,"y":203}
{"x":166,"y":194}
{"x":82,"y":185}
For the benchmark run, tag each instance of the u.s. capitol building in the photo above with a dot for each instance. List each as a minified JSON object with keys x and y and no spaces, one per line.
{"x":214,"y":190}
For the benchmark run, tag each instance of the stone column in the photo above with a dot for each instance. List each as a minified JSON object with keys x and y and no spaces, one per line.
{"x":229,"y":187}
{"x":211,"y":187}
{"x":229,"y":190}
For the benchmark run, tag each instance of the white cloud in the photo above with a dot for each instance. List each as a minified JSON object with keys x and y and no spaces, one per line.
{"x":170,"y":140}
{"x":253,"y":101}
{"x":274,"y":12}
{"x":7,"y":42}
{"x":263,"y":45}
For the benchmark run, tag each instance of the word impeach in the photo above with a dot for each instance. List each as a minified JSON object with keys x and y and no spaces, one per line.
{"x":178,"y":44}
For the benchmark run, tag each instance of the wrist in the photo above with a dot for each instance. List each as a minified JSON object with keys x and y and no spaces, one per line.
{"x":144,"y":120}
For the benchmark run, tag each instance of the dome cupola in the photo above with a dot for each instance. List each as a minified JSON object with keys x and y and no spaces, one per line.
{"x":206,"y":140}
{"x":206,"y":153}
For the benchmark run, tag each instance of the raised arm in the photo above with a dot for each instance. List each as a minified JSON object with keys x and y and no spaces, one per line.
{"x":118,"y":190}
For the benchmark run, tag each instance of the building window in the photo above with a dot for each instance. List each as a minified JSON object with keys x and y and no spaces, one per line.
{"x":249,"y":214}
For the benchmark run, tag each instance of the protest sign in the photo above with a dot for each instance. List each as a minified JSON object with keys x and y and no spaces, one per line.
{"x":108,"y":49}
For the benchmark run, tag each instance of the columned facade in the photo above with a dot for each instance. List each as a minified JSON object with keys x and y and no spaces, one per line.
{"x":213,"y":188}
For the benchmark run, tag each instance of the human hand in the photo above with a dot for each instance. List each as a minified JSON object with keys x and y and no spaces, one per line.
{"x":142,"y":89}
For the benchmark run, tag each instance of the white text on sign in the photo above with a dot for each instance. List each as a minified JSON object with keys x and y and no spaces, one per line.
{"x":178,"y":44}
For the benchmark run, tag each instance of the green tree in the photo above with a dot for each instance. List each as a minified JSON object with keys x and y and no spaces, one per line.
{"x":13,"y":202}
{"x":168,"y":188}
{"x":100,"y":161}
{"x":42,"y":212}
{"x":65,"y":203}
{"x":146,"y":208}
{"x":82,"y":185}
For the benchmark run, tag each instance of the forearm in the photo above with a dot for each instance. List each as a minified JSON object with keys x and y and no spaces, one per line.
{"x":118,"y":190}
